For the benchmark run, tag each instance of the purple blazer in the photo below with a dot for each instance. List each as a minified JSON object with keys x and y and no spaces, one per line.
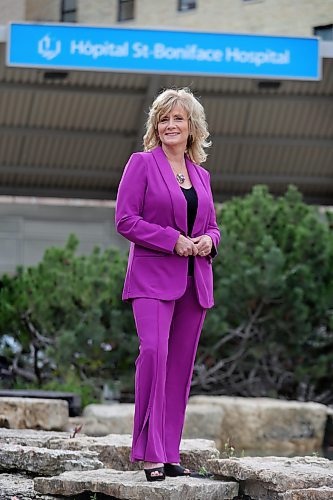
{"x":151,"y":212}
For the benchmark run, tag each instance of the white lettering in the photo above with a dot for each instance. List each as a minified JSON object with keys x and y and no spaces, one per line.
{"x":257,"y":58}
{"x":189,"y":53}
{"x":96,"y":50}
{"x":140,"y":50}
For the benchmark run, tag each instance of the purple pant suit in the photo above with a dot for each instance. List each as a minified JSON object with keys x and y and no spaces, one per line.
{"x":169,"y":306}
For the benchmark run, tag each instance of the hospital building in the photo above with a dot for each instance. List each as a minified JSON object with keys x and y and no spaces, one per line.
{"x":263,"y":70}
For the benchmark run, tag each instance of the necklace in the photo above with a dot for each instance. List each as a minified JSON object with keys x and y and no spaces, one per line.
{"x":180,"y":178}
{"x":179,"y":175}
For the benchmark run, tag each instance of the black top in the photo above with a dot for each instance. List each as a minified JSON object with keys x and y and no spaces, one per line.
{"x":192,"y":206}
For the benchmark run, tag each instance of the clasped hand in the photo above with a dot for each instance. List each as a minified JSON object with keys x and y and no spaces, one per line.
{"x":200,"y":245}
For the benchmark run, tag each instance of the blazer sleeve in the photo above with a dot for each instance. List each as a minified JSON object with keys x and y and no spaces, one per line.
{"x":129,"y":209}
{"x":213,"y":229}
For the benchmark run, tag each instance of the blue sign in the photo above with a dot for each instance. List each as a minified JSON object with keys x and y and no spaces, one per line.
{"x":79,"y":47}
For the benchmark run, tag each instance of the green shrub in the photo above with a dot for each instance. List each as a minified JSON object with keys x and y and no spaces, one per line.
{"x":63,"y":324}
{"x":70,"y":322}
{"x":271,"y":330}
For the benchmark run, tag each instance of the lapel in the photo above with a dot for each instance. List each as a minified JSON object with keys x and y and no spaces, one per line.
{"x":177,"y":197}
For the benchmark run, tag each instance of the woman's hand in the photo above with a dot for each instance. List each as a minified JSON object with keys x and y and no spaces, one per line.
{"x":185,"y":247}
{"x":203,"y":244}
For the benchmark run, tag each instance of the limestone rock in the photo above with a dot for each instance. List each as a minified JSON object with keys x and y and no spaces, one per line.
{"x":46,"y":461}
{"x":113,"y":450}
{"x":30,"y":437}
{"x":103,"y":419}
{"x":73,"y":399}
{"x":33,"y":413}
{"x":21,"y":487}
{"x":267,"y":477}
{"x":308,"y":494}
{"x":204,"y":421}
{"x":265,"y":423}
{"x":195,"y":453}
{"x":256,"y":491}
{"x":133,"y":485}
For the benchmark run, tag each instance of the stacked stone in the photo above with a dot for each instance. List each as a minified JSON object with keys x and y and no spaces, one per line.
{"x":35,"y":464}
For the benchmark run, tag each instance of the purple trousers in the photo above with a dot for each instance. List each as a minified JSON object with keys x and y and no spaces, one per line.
{"x":169,"y":332}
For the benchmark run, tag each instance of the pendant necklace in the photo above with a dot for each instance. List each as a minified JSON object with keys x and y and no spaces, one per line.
{"x":180,"y":178}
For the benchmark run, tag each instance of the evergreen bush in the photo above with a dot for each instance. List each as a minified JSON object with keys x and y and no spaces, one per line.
{"x":271,"y":330}
{"x":63,"y":324}
{"x":69,"y":323}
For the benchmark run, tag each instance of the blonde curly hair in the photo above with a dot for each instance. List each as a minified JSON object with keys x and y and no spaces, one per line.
{"x":198,"y":131}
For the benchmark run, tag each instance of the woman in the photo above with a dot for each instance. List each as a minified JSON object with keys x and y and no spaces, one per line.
{"x":165,"y":209}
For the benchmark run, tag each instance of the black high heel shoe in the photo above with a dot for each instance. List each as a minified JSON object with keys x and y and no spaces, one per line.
{"x":159,"y":477}
{"x":172,"y":470}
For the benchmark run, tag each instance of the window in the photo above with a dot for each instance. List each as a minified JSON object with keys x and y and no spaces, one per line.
{"x":68,"y":11}
{"x":324,"y":32}
{"x":186,"y":5}
{"x":125,"y":10}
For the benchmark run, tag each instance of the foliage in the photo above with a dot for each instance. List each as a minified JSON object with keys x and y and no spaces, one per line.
{"x":71,"y":327}
{"x":271,"y":330}
{"x":63,"y":324}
